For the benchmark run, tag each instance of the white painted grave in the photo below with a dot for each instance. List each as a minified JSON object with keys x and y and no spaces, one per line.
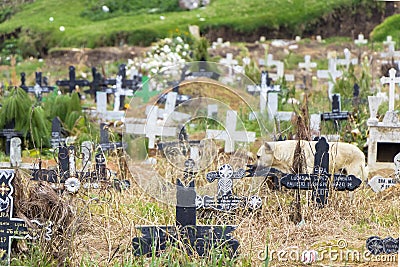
{"x":307,"y":64}
{"x":280,"y":69}
{"x":101,"y":99}
{"x":391,"y":52}
{"x":331,"y":74}
{"x":120,"y":92}
{"x":361,"y":40}
{"x":347,"y":60}
{"x":168,"y":112}
{"x":384,"y":136}
{"x":151,"y":129}
{"x":379,"y":184}
{"x":230,"y":135}
{"x":15,"y":156}
{"x":229,"y":61}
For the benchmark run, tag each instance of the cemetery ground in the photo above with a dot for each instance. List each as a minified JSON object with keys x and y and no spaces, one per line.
{"x":96,"y":228}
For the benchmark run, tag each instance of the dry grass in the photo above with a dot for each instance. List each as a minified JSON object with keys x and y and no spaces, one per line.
{"x":96,"y":228}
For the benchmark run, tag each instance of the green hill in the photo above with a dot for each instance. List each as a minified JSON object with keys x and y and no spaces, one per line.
{"x":86,"y":25}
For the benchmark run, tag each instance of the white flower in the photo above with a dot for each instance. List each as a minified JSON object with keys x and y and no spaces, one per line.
{"x":62,"y":28}
{"x":72,"y":185}
{"x":162,"y":17}
{"x":179,"y":39}
{"x":184,"y":53}
{"x":51,"y":19}
{"x":186,"y":46}
{"x":105,"y":9}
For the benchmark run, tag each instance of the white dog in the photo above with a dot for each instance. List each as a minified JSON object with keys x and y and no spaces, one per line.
{"x":343,"y":157}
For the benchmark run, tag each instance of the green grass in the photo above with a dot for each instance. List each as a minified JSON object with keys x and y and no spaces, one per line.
{"x":388,"y":27}
{"x":38,"y":34}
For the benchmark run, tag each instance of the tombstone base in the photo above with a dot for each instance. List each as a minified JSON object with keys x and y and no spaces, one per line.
{"x":199,"y":239}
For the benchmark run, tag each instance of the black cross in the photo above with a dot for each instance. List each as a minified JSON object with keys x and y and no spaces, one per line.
{"x":336,"y":113}
{"x":98,"y":84}
{"x":72,"y":82}
{"x":10,"y":227}
{"x":194,"y":237}
{"x":40,"y":86}
{"x":319,"y":181}
{"x":105,"y":143}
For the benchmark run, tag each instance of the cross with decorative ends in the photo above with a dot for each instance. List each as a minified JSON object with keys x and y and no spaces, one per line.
{"x":4,"y":189}
{"x":361,"y":40}
{"x":391,"y":80}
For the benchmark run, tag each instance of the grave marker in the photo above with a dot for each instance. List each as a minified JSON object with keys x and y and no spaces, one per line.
{"x":280,"y":70}
{"x":200,"y":238}
{"x":105,"y":143}
{"x":230,"y":135}
{"x":347,"y":60}
{"x":391,"y":80}
{"x":229,"y":61}
{"x":151,"y":129}
{"x":319,"y":180}
{"x":11,"y":227}
{"x":72,"y":83}
{"x":377,"y":245}
{"x":336,"y":113}
{"x":361,"y":41}
{"x":58,"y":134}
{"x":307,"y":64}
{"x":9,"y":132}
{"x":379,"y":183}
{"x":15,"y":152}
{"x":38,"y":89}
{"x":331,"y":74}
{"x":225,"y":200}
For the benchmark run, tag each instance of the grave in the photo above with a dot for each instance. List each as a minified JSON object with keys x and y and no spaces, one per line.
{"x":225,"y":200}
{"x":230,"y":135}
{"x":336,"y":114}
{"x":202,"y":71}
{"x":307,"y":64}
{"x":38,"y":89}
{"x":280,"y":70}
{"x":384,"y":136}
{"x":168,"y":112}
{"x":230,"y":62}
{"x":191,"y":237}
{"x":105,"y":143}
{"x":361,"y":41}
{"x":101,"y":99}
{"x":319,"y":181}
{"x":347,"y":60}
{"x":11,"y":227}
{"x":58,"y":134}
{"x":150,"y":129}
{"x":378,"y":246}
{"x":15,"y":156}
{"x":72,"y":83}
{"x":9,"y":132}
{"x":379,"y":183}
{"x":97,"y":83}
{"x":331,"y":74}
{"x":391,"y":53}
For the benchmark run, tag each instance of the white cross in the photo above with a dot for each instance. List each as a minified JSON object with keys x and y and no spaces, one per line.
{"x":307,"y":64}
{"x":230,"y":135}
{"x":280,"y":69}
{"x":389,"y":41}
{"x":151,"y":129}
{"x":391,"y":53}
{"x":347,"y":60}
{"x":332,"y":74}
{"x":361,"y":40}
{"x":391,"y":80}
{"x":119,"y":92}
{"x":229,"y":61}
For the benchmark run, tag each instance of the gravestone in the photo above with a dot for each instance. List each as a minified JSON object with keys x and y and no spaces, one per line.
{"x":9,"y":132}
{"x":307,"y":64}
{"x":378,"y":246}
{"x":280,"y":69}
{"x":212,"y":111}
{"x":230,"y":135}
{"x":199,"y":238}
{"x":379,"y":183}
{"x":87,"y":150}
{"x":384,"y":136}
{"x":331,"y":74}
{"x":391,"y":53}
{"x":225,"y":200}
{"x":319,"y":181}
{"x":58,"y":134}
{"x":266,"y":89}
{"x":347,"y":60}
{"x":15,"y":152}
{"x":105,"y":143}
{"x":72,"y":83}
{"x":150,"y":129}
{"x":361,"y":41}
{"x":337,"y":113}
{"x":230,"y":62}
{"x":38,"y":89}
{"x":315,"y":122}
{"x":11,"y":227}
{"x":101,"y":99}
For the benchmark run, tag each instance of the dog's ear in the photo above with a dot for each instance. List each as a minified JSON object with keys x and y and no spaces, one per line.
{"x":267,"y":147}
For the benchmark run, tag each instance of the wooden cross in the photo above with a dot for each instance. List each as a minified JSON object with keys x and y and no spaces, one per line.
{"x":38,"y":88}
{"x":391,"y":80}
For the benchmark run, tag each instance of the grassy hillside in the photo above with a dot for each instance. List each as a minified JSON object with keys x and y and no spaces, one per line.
{"x":30,"y":21}
{"x":389,"y":27}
